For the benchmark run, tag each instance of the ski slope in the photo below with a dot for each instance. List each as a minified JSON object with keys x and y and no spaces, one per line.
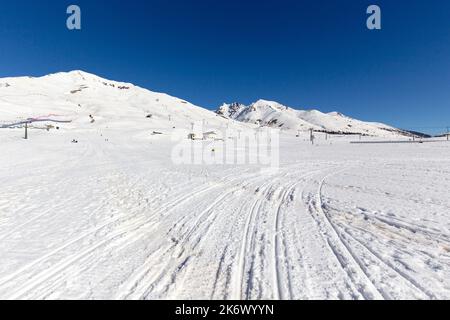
{"x":113,"y":217}
{"x":83,"y":99}
{"x":116,"y":220}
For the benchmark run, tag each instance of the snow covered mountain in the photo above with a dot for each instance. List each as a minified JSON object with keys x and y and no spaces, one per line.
{"x":274,"y":114}
{"x":99,"y":207}
{"x":84,"y":98}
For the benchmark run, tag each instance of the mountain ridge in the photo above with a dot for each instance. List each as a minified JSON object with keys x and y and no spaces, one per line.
{"x":267,"y":113}
{"x":79,"y":95}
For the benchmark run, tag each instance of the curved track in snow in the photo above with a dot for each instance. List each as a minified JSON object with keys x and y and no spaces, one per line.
{"x":138,"y":230}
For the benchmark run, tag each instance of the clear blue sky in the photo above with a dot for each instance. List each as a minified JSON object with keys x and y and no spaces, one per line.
{"x":305,"y":54}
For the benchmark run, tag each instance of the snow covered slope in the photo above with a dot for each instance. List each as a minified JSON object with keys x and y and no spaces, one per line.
{"x":115,"y":217}
{"x":118,"y":220}
{"x":273,"y":114}
{"x":84,"y":99}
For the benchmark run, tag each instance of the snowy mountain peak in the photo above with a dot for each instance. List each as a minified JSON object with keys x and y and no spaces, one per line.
{"x":231,"y":111}
{"x":76,"y":73}
{"x":89,"y":101}
{"x":276,"y":115}
{"x":83,"y":77}
{"x":261,"y":104}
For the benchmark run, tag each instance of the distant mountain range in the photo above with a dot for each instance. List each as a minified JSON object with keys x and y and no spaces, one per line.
{"x":81,"y":98}
{"x":273,"y":114}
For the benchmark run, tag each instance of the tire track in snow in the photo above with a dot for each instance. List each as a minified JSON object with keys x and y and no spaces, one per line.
{"x":247,"y":182}
{"x":286,"y":189}
{"x":344,"y":254}
{"x":90,"y":232}
{"x":130,"y":226}
{"x":279,"y":293}
{"x":143,"y":274}
{"x":256,"y":208}
{"x":280,"y":247}
{"x":201,"y":227}
{"x":391,"y":267}
{"x":249,"y":225}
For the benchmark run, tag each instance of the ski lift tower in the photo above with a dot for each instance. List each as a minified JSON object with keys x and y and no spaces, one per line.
{"x":311,"y":135}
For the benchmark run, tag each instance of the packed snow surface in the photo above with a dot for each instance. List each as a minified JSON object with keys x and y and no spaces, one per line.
{"x":112,"y":217}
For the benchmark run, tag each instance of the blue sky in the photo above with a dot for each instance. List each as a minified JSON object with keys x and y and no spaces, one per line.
{"x":305,"y":54}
